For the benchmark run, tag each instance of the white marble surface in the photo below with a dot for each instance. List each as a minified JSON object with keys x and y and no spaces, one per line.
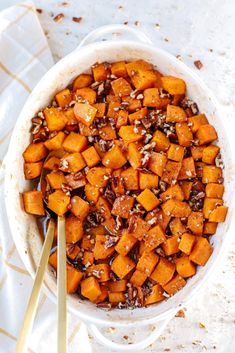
{"x":194,"y":30}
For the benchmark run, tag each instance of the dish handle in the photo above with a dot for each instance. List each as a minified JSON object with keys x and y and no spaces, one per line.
{"x":119,"y":347}
{"x":114,"y":32}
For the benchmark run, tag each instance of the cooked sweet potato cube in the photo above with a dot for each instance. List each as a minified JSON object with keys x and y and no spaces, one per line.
{"x":176,"y":208}
{"x":187,"y":170}
{"x":130,"y":133}
{"x":210,"y":204}
{"x":158,"y":217}
{"x":148,"y":200}
{"x":100,"y":71}
{"x":55,"y":118}
{"x":118,"y":286}
{"x":210,"y":228}
{"x":122,"y":265}
{"x":186,"y":186}
{"x":56,"y":179}
{"x":138,"y":65}
{"x":32,"y":170}
{"x":100,"y":271}
{"x":91,"y":157}
{"x":114,"y":158}
{"x":75,"y":143}
{"x":118,"y":69}
{"x":163,"y":272}
{"x":110,"y":225}
{"x":157,"y":163}
{"x":126,"y":243}
{"x":148,"y":181}
{"x":113,"y":109}
{"x":74,"y":229}
{"x":171,"y":245}
{"x":71,"y":119}
{"x":98,"y":176}
{"x":152,"y":98}
{"x":162,"y":141}
{"x":122,"y":119}
{"x":206,"y":134}
{"x":138,"y":278}
{"x":117,"y":297}
{"x":97,"y":230}
{"x":87,"y":130}
{"x":173,"y":85}
{"x":155,"y":296}
{"x":58,"y":202}
{"x":201,"y":252}
{"x":74,"y":277}
{"x":138,"y":227}
{"x":72,"y":163}
{"x":218,"y":214}
{"x":175,"y":152}
{"x":134,"y":155}
{"x":55,"y":143}
{"x":33,"y":202}
{"x":195,"y":222}
{"x":215,"y":190}
{"x":122,"y":206}
{"x":209,"y":154}
{"x":92,"y":193}
{"x":72,"y":251}
{"x":85,"y":95}
{"x":90,"y":288}
{"x":53,"y":260}
{"x":199,"y":168}
{"x":197,"y":152}
{"x":88,"y":258}
{"x":101,"y":251}
{"x":173,"y":192}
{"x":147,"y":262}
{"x":186,"y":243}
{"x":35,"y":152}
{"x":103,"y":296}
{"x":184,"y":134}
{"x":52,"y":163}
{"x":132,"y":104}
{"x":154,"y":238}
{"x":211,"y":174}
{"x":143,"y":79}
{"x":87,"y":242}
{"x":175,"y":285}
{"x":196,"y":121}
{"x":104,"y":207}
{"x":171,"y":172}
{"x":117,"y":183}
{"x":121,"y":87}
{"x":177,"y":227}
{"x":63,"y":97}
{"x":175,"y":114}
{"x":138,"y":115}
{"x":107,"y":133}
{"x":85,"y":113}
{"x":131,"y":179}
{"x":101,"y":108}
{"x":75,"y":181}
{"x":83,"y":80}
{"x":79,"y":207}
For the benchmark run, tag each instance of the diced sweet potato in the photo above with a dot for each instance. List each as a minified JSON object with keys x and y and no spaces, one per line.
{"x":117,"y":183}
{"x":79,"y":207}
{"x":138,"y":115}
{"x":118,"y":286}
{"x":197,"y":152}
{"x":185,"y":267}
{"x":134,"y":155}
{"x":118,"y":69}
{"x":72,"y":163}
{"x":171,"y":172}
{"x":133,"y":104}
{"x":157,"y":163}
{"x":173,"y":192}
{"x":122,"y":265}
{"x":218,"y":214}
{"x":35,"y":152}
{"x":53,"y":259}
{"x":58,"y":202}
{"x":174,"y":285}
{"x":72,"y":251}
{"x":101,"y":251}
{"x":138,"y":278}
{"x":184,"y":134}
{"x":173,"y":85}
{"x":211,"y":174}
{"x":75,"y":143}
{"x":87,"y":130}
{"x":126,"y":243}
{"x":122,"y":206}
{"x":201,"y":252}
{"x":74,"y":277}
{"x":195,"y":222}
{"x":32,"y":170}
{"x":215,"y":190}
{"x":52,"y":163}
{"x":117,"y":297}
{"x":87,"y":242}
{"x":74,"y":229}
{"x":122,"y":118}
{"x":152,"y":98}
{"x":103,"y":296}
{"x":186,"y":243}
{"x":148,"y":181}
{"x":104,"y":207}
{"x":55,"y":118}
{"x":161,"y":140}
{"x":107,"y":133}
{"x":187,"y":170}
{"x":138,"y":227}
{"x":91,"y":157}
{"x":56,"y":179}
{"x":206,"y":134}
{"x":83,"y":80}
{"x":63,"y":97}
{"x":154,"y":238}
{"x":175,"y":152}
{"x":85,"y":95}
{"x":88,"y":258}
{"x":210,"y":204}
{"x":147,"y":262}
{"x":75,"y":181}
{"x":199,"y":168}
{"x":155,"y":296}
{"x":121,"y":87}
{"x":113,"y":109}
{"x":85,"y":113}
{"x":98,"y":176}
{"x":209,"y":154}
{"x":186,"y":186}
{"x":148,"y":200}
{"x":141,"y":77}
{"x":196,"y":121}
{"x":114,"y":158}
{"x":100,"y":271}
{"x":130,"y":133}
{"x":71,"y":119}
{"x":33,"y":202}
{"x":101,"y":108}
{"x":138,"y":65}
{"x":90,"y":288}
{"x":175,"y":114}
{"x":92,"y":193}
{"x":55,"y":143}
{"x":176,"y":208}
{"x":177,"y":227}
{"x":210,"y":228}
{"x":131,"y":179}
{"x":163,"y":272}
{"x":100,"y":71}
{"x":171,"y":245}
